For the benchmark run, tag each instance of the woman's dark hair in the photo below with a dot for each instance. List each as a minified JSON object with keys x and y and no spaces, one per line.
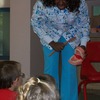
{"x":9,"y":71}
{"x":72,"y":5}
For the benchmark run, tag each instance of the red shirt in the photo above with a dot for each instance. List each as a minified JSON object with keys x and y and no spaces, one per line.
{"x":6,"y":94}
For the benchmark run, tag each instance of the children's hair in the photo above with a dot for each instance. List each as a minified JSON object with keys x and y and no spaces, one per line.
{"x":9,"y":71}
{"x":41,"y":88}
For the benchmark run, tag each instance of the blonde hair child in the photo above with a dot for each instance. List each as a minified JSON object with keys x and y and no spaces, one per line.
{"x":39,"y":88}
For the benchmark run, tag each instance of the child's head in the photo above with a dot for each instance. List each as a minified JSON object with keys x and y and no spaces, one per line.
{"x":10,"y":74}
{"x":41,"y":88}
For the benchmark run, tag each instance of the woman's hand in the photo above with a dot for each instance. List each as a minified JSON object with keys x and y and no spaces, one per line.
{"x":57,"y":46}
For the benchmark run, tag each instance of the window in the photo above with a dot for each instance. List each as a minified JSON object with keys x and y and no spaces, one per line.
{"x":4,"y":33}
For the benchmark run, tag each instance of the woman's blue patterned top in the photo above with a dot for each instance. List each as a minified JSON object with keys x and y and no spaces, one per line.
{"x":50,"y":23}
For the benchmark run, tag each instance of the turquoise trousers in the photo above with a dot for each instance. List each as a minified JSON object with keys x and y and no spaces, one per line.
{"x":67,"y":80}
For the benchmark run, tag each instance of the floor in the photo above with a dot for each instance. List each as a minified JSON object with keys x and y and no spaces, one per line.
{"x":91,"y":94}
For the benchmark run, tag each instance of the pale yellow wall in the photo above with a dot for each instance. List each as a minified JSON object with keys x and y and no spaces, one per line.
{"x":20,"y":33}
{"x":4,"y":3}
{"x":24,"y":44}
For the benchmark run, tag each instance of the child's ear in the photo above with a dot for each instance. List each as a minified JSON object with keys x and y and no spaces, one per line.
{"x":15,"y":81}
{"x":18,"y":81}
{"x":14,"y":84}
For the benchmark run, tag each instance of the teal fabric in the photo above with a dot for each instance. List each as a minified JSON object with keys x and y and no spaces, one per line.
{"x":67,"y":85}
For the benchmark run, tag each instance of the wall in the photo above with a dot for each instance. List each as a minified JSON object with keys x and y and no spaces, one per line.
{"x":91,"y":3}
{"x":24,"y":44}
{"x":36,"y":51}
{"x":4,"y":3}
{"x":20,"y":33}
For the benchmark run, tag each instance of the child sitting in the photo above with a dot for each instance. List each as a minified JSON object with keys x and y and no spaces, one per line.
{"x":39,"y":88}
{"x":10,"y":79}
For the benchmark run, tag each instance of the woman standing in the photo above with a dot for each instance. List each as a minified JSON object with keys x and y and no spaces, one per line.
{"x":57,"y":21}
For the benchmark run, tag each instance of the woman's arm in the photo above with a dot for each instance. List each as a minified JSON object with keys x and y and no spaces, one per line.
{"x":81,"y":27}
{"x":38,"y":21}
{"x":85,"y":23}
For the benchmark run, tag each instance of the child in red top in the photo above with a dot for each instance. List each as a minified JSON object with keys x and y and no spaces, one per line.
{"x":6,"y":94}
{"x":10,"y":79}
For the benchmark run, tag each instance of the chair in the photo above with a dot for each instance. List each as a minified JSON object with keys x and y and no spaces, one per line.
{"x":88,"y":73}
